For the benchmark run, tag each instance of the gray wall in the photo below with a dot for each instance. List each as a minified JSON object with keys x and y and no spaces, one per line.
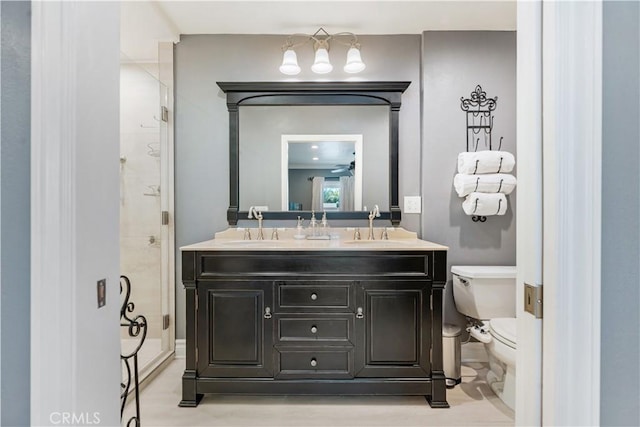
{"x":202,"y":137}
{"x":620,"y":345}
{"x":14,"y":215}
{"x":453,"y":64}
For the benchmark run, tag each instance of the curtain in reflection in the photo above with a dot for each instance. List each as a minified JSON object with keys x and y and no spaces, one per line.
{"x":316,"y":194}
{"x":346,"y":193}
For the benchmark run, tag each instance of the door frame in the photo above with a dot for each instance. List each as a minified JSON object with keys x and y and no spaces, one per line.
{"x":529,"y":233}
{"x":570,"y":120}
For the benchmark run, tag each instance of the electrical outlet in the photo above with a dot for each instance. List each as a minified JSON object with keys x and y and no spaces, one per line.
{"x":412,"y":204}
{"x":102,"y":292}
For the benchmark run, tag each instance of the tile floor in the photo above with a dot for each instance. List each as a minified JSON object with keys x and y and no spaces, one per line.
{"x":472,"y":404}
{"x":151,"y":348}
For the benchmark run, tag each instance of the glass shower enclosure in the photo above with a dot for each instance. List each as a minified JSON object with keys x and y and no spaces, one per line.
{"x":145,"y":200}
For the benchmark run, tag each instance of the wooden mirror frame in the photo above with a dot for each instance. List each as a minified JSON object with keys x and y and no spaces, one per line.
{"x":312,"y":93}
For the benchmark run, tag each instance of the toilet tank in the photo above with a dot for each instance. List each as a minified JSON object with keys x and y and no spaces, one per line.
{"x":485,"y":292}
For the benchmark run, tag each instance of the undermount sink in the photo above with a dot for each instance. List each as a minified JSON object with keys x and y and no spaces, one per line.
{"x":376,"y":242}
{"x":252,"y":243}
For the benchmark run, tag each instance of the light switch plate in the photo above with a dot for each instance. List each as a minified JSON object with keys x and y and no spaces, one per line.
{"x":412,"y":204}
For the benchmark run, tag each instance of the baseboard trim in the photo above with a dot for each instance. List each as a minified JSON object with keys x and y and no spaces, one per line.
{"x":181,"y":349}
{"x":473,"y":352}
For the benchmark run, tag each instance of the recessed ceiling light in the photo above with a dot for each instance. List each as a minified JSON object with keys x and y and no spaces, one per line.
{"x":314,"y":147}
{"x":315,"y":158}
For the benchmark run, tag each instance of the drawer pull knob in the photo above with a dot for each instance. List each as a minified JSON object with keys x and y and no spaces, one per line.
{"x":267,"y":312}
{"x":359,"y":313}
{"x":314,"y":329}
{"x":314,"y":362}
{"x":314,"y":296}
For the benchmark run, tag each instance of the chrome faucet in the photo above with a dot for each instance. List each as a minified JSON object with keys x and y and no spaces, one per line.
{"x":375,"y":213}
{"x":254,"y":213}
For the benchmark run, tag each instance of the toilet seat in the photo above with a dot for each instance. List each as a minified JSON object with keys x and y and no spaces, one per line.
{"x":504,"y":330}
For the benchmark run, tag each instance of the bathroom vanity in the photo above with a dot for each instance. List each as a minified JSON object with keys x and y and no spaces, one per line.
{"x":331,"y":317}
{"x":340,"y":316}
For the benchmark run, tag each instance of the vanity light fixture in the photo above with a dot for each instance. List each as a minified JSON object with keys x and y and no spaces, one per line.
{"x":321,"y":64}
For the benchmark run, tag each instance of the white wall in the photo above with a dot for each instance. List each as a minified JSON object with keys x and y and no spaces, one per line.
{"x":75,"y":346}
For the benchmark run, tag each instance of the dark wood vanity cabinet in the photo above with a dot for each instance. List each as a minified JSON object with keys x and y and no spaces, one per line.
{"x":234,"y":338}
{"x":395,"y":338}
{"x":275,"y":322}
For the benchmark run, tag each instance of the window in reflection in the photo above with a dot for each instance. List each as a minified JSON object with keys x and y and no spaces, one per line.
{"x":322,"y":172}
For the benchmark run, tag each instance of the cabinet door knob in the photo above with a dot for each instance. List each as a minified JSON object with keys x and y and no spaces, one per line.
{"x":267,"y":312}
{"x":359,"y":313}
{"x":314,"y":362}
{"x":314,"y":329}
{"x":314,"y":296}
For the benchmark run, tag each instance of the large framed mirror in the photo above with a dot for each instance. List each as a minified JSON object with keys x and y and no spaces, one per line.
{"x":354,"y":124}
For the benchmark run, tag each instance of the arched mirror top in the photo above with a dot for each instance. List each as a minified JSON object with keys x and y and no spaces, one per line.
{"x":292,"y":94}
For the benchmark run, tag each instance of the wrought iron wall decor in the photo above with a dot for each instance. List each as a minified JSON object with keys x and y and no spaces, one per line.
{"x":136,"y":328}
{"x":479,"y":111}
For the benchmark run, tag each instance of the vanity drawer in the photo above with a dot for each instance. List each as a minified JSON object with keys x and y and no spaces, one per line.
{"x":311,"y":329}
{"x":332,"y":295}
{"x":298,"y":363}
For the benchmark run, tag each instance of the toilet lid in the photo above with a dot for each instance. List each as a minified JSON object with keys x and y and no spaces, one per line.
{"x":485,"y":271}
{"x":504,"y":329}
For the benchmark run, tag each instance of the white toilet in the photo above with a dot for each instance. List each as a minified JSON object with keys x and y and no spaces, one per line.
{"x":488,"y":295}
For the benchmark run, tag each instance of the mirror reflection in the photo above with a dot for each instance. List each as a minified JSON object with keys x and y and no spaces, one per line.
{"x":322,"y":172}
{"x":262,"y":168}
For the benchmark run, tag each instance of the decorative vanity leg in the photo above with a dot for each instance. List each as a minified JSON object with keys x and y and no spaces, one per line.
{"x":190,"y":397}
{"x":438,"y":398}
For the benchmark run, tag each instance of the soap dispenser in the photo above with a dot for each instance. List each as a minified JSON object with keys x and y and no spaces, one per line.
{"x":316,"y":232}
{"x":313,"y":225}
{"x":299,"y":230}
{"x":325,"y":225}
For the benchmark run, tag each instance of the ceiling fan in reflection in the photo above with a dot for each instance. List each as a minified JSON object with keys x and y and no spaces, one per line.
{"x":345,"y":168}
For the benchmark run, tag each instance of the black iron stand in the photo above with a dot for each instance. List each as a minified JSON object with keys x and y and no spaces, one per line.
{"x":136,"y":328}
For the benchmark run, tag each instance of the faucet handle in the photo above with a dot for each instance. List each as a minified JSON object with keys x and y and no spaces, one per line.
{"x":247,"y":234}
{"x":384,"y":235}
{"x":274,"y":234}
{"x":356,"y":234}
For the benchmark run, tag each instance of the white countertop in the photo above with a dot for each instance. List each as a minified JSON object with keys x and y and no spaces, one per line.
{"x":232,"y":239}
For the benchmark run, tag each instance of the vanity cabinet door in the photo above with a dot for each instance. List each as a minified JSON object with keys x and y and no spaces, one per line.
{"x":392,"y":329}
{"x":235,"y":330}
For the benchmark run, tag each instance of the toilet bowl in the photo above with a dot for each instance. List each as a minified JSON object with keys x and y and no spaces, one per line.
{"x":486,"y":294}
{"x":502,"y":359}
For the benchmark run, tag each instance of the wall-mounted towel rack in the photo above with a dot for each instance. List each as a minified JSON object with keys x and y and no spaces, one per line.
{"x":479,"y":114}
{"x":479,"y":109}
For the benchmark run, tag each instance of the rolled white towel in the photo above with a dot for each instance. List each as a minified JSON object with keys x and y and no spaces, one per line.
{"x":487,"y":183}
{"x":476,"y":162}
{"x":485,"y":204}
